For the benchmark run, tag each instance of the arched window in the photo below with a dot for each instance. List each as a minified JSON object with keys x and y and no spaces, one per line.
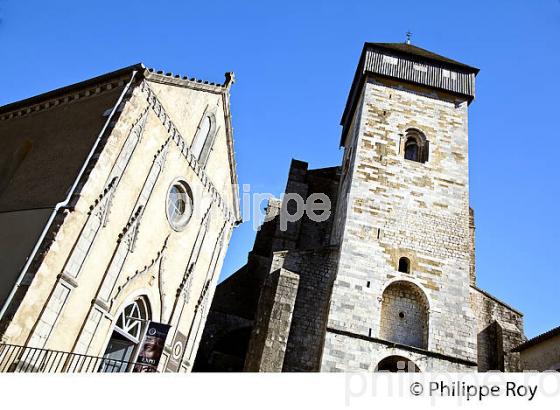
{"x":404,"y":265}
{"x":397,"y":364}
{"x":201,"y":136}
{"x":126,"y":337}
{"x":411,"y":149}
{"x":204,"y":138}
{"x":404,"y":315}
{"x":130,"y":321}
{"x":416,"y":147}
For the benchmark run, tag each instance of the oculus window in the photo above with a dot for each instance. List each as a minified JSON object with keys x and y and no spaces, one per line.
{"x":179,"y":204}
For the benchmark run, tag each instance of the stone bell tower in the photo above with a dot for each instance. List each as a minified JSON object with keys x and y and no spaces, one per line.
{"x":388,"y":279}
{"x":402,"y":285}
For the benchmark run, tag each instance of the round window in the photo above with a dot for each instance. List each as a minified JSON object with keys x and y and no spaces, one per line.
{"x":179,"y":205}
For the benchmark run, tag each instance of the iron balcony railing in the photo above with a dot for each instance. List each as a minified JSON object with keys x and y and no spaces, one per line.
{"x":22,"y":359}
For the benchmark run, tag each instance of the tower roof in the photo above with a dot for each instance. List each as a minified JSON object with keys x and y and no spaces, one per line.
{"x":409,"y":64}
{"x":421,"y":53}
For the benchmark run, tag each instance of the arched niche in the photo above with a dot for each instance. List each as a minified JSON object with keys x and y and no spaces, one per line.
{"x":405,"y":315}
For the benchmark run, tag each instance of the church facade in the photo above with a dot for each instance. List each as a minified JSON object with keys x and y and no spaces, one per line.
{"x":388,"y":280}
{"x":118,"y":197}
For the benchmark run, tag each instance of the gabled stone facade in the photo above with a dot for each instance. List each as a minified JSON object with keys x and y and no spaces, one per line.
{"x":139,"y":222}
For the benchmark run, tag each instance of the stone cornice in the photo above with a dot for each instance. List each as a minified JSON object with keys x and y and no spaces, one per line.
{"x":431,"y":353}
{"x":177,"y":80}
{"x":63,"y":99}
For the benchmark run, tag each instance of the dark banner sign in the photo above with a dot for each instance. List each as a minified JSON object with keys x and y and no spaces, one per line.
{"x":152,"y":348}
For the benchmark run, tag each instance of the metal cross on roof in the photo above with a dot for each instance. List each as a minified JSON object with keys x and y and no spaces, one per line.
{"x":408,"y":36}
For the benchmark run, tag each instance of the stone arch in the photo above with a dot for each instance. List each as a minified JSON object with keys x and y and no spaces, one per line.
{"x":396,"y":363}
{"x":204,"y":137}
{"x":125,"y":337}
{"x":405,"y":314}
{"x":416,"y":146}
{"x":404,"y":265}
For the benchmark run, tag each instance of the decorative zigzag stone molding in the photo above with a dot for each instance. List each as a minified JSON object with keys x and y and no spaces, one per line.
{"x":140,"y":272}
{"x":176,"y":136}
{"x":99,"y":211}
{"x":128,"y":237}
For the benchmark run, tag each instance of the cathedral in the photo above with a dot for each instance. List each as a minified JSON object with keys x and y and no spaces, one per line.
{"x":118,"y":196}
{"x":387,"y":280}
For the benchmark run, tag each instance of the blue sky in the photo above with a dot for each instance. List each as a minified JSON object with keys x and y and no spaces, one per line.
{"x":294,"y":63}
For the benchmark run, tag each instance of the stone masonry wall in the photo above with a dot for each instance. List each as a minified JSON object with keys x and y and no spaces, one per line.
{"x":472,"y":247}
{"x":316,"y":270}
{"x":397,"y":207}
{"x":274,"y":316}
{"x":304,"y":248}
{"x":499,"y":329}
{"x":404,"y":315}
{"x":367,"y":354}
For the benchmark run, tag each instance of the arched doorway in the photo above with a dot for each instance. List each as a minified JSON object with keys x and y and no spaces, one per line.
{"x":126,"y":336}
{"x":404,"y":315}
{"x":397,"y":364}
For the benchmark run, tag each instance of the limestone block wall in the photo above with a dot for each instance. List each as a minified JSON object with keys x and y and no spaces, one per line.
{"x":341,"y":208}
{"x":303,"y":249}
{"x":269,"y":338}
{"x":404,"y":316}
{"x":316,"y":270}
{"x":396,"y":208}
{"x":499,"y":329}
{"x":472,"y":248}
{"x":367,"y":353}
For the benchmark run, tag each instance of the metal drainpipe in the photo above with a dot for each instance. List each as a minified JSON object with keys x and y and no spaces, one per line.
{"x":64,"y":203}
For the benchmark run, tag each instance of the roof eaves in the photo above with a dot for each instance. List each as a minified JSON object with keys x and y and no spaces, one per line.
{"x":421,"y":53}
{"x":537,"y":339}
{"x":69,"y":88}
